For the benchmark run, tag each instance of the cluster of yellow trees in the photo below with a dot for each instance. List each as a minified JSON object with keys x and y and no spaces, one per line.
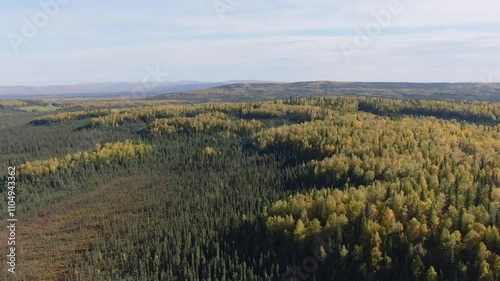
{"x":294,"y":109}
{"x":12,"y":103}
{"x":365,"y":135}
{"x":107,"y":152}
{"x":422,"y":189}
{"x":378,"y":231}
{"x":278,"y":109}
{"x":73,"y":115}
{"x":144,"y":113}
{"x":247,"y":110}
{"x":114,"y":116}
{"x":212,"y":121}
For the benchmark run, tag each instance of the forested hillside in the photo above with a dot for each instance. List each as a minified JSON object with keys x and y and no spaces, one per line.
{"x":270,"y":91}
{"x":319,"y":188}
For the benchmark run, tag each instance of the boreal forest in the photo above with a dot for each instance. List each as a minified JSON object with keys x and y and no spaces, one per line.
{"x":298,"y":188}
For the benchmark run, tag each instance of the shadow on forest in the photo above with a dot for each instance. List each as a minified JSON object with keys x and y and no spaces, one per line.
{"x":279,"y":257}
{"x":296,"y":176}
{"x":259,"y":249}
{"x":441,"y":114}
{"x":85,"y":127}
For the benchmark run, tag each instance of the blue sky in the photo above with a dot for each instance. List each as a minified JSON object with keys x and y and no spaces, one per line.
{"x":280,"y":40}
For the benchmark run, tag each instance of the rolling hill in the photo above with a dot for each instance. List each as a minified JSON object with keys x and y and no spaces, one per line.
{"x":268,"y":91}
{"x":101,"y":90}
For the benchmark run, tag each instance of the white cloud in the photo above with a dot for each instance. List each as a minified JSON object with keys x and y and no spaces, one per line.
{"x":261,"y":39}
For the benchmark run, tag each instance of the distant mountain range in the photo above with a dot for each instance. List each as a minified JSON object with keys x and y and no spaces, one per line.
{"x":134,"y":90}
{"x":249,"y":90}
{"x":269,"y":91}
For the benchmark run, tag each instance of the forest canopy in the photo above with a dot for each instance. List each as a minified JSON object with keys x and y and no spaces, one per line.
{"x":326,"y":188}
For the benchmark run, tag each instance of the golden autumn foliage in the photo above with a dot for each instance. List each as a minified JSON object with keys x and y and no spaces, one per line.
{"x":257,"y":110}
{"x":336,"y":215}
{"x":12,"y":103}
{"x":118,"y":117}
{"x":212,"y":121}
{"x":106,"y":152}
{"x":73,"y":115}
{"x":371,"y":189}
{"x":209,"y":151}
{"x":425,"y":187}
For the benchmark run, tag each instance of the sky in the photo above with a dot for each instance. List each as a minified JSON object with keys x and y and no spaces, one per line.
{"x":56,"y":42}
